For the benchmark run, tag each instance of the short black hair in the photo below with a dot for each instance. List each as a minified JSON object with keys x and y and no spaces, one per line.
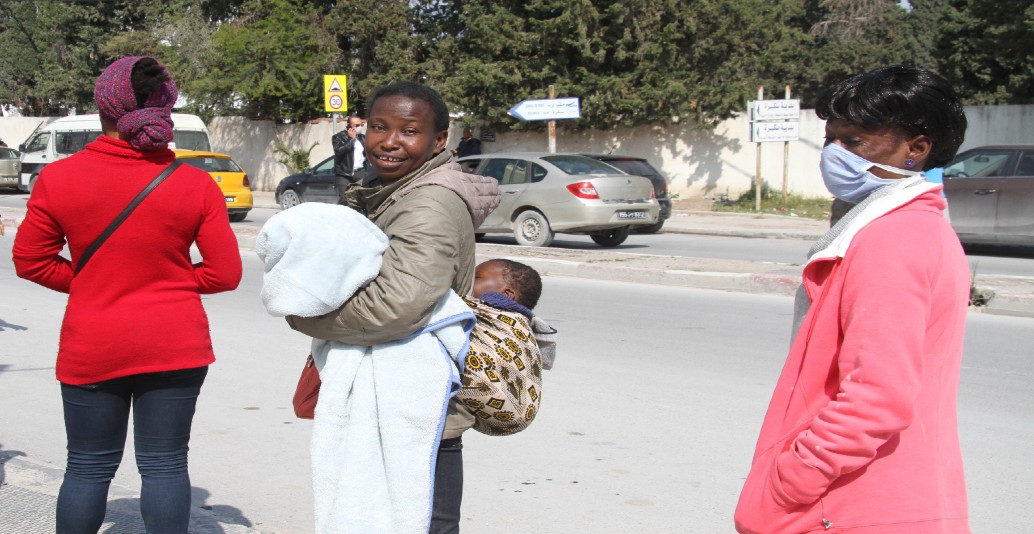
{"x":524,"y":281}
{"x":148,"y":74}
{"x":417,"y":91}
{"x":918,"y":101}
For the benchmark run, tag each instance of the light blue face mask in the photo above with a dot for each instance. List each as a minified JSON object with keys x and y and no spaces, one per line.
{"x":847,"y":175}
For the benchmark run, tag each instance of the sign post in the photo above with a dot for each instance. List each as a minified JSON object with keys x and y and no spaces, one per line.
{"x":552,"y":126}
{"x":757,"y":173}
{"x":773,"y":121}
{"x":550,"y":109}
{"x":786,"y":149}
{"x":335,"y":95}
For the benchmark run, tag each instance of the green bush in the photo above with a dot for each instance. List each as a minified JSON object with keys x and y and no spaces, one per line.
{"x":772,"y":203}
{"x":294,"y":159}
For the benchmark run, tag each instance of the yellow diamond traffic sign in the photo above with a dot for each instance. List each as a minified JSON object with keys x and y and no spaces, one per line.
{"x":335,"y":94}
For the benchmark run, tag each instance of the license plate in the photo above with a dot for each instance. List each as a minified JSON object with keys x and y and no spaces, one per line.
{"x":631,"y":215}
{"x":231,"y":199}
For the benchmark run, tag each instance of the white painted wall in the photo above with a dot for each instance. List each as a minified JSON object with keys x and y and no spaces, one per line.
{"x":698,"y":162}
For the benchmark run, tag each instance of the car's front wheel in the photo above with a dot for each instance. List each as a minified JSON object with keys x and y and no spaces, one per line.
{"x":610,"y":238}
{"x":238,"y":217}
{"x":289,"y":199}
{"x":532,"y":229}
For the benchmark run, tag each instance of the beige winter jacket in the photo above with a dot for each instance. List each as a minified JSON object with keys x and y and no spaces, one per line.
{"x":429,"y":218}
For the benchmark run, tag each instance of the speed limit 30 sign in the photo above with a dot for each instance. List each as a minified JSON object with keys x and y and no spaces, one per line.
{"x":335,"y":94}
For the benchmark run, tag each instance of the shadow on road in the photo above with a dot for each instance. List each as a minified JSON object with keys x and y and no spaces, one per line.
{"x":999,"y":251}
{"x":6,"y":455}
{"x":4,"y":325}
{"x":123,"y":515}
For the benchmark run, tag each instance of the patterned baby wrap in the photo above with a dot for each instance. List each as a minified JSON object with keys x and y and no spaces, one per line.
{"x":502,"y":378}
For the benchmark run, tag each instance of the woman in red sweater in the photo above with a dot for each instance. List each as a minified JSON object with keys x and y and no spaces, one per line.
{"x":134,"y":331}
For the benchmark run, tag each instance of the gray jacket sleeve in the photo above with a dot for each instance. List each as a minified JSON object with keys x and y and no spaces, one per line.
{"x":427,"y":229}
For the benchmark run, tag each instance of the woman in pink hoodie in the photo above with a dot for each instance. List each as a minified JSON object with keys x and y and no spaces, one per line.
{"x":861,"y":433}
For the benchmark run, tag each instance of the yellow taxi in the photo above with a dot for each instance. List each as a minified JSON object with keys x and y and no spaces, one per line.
{"x":231,"y":179}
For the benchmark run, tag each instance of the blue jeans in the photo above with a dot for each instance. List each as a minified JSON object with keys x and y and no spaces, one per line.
{"x":96,"y":422}
{"x":448,"y":488}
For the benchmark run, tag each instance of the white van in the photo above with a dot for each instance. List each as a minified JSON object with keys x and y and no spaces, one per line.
{"x":68,"y":135}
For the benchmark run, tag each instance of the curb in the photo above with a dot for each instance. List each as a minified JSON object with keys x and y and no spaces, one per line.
{"x":1013,"y":296}
{"x":715,"y":280}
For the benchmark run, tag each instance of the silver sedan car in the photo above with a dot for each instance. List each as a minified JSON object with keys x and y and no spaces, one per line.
{"x":10,"y":167}
{"x":543,"y":194}
{"x":990,"y":192}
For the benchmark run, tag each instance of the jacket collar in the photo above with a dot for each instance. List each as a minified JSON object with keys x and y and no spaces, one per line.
{"x":370,"y":196}
{"x":835,"y":242}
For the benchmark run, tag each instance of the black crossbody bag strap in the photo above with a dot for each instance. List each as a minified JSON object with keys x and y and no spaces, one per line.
{"x":122,"y":216}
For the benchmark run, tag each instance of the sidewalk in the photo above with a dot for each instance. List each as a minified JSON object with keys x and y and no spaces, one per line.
{"x":29,"y":496}
{"x":1011,"y":295}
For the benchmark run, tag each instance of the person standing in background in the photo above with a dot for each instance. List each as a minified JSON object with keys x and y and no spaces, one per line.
{"x":349,"y":152}
{"x":135,"y":333}
{"x":468,"y":146}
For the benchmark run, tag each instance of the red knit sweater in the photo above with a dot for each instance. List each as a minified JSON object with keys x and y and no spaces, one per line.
{"x":136,"y":305}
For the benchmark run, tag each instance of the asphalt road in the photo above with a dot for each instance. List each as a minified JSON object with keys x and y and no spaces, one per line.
{"x":787,"y":251}
{"x":783,"y":251}
{"x":647,"y":425}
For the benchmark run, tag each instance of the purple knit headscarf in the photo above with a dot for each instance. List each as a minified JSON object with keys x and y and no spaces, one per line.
{"x":144,"y":128}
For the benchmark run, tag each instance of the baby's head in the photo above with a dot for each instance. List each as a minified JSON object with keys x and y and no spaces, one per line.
{"x":513,"y":279}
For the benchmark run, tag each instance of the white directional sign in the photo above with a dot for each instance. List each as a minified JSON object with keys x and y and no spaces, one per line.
{"x":765,"y":132}
{"x":547,"y":109}
{"x":775,"y":110}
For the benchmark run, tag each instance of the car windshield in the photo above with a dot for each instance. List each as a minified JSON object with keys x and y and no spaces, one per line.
{"x":210,"y":164}
{"x":635,"y":166}
{"x":578,"y":165}
{"x":978,"y":164}
{"x":190,"y":140}
{"x":8,"y":153}
{"x":72,"y":142}
{"x":325,"y":167}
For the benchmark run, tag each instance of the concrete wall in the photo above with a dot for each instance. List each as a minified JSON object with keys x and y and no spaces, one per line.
{"x":698,"y":162}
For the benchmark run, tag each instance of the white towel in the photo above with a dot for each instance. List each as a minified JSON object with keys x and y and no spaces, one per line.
{"x":316,"y":257}
{"x":378,"y":424}
{"x":381,"y":409}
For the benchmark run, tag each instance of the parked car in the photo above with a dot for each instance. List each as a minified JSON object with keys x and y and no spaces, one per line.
{"x":10,"y":167}
{"x":641,"y":167}
{"x":231,"y":179}
{"x":311,"y":185}
{"x":990,"y":192}
{"x":67,"y":135}
{"x":568,"y":193}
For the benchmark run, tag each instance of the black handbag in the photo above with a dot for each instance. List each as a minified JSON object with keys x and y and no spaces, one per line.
{"x":122,"y":216}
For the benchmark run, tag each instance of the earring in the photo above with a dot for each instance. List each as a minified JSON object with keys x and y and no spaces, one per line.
{"x":910,"y":163}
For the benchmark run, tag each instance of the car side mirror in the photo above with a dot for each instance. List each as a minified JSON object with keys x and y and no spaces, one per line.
{"x":307,"y":170}
{"x":21,"y":147}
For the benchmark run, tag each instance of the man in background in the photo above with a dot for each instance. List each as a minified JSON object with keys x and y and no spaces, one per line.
{"x":349,"y":152}
{"x":468,"y":145}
